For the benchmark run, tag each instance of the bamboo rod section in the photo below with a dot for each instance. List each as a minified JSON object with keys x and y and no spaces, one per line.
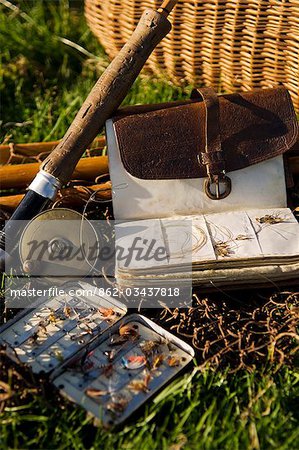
{"x":34,"y":149}
{"x":103,"y":191}
{"x":20,"y":175}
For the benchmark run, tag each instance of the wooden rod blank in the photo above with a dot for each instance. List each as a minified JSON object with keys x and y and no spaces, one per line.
{"x":20,"y":175}
{"x":36,"y":148}
{"x":10,"y":202}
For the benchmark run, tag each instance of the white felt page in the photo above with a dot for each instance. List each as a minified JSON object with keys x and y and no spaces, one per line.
{"x":137,"y":244}
{"x":233,"y":236}
{"x":277,"y":231}
{"x":188,"y":239}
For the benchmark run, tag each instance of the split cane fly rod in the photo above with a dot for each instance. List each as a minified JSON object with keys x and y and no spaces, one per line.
{"x":105,"y":97}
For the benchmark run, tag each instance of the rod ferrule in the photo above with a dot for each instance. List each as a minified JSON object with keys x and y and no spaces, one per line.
{"x":45,"y":185}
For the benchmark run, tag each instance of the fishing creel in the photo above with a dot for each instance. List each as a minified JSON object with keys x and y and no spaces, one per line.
{"x":233,"y":44}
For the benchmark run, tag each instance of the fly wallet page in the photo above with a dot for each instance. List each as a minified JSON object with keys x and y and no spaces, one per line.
{"x":237,"y":247}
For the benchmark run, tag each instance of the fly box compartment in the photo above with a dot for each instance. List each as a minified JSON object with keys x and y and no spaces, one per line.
{"x":53,"y":330}
{"x":123,"y":368}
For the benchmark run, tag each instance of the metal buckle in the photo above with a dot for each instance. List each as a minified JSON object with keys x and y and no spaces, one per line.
{"x":218,"y":180}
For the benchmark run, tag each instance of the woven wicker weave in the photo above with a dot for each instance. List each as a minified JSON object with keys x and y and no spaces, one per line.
{"x":231,"y":44}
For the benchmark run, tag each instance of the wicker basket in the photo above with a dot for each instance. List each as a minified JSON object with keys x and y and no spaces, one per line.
{"x":231,"y":44}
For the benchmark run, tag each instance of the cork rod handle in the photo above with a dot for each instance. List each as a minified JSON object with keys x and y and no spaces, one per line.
{"x":108,"y":93}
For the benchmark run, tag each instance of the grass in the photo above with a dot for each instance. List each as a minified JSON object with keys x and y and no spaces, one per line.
{"x":43,"y":81}
{"x":202,"y":410}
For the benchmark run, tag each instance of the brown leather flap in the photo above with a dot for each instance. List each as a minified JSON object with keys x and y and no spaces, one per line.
{"x":164,"y":141}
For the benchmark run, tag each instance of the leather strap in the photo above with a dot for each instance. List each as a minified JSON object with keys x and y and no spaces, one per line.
{"x":218,"y":185}
{"x":212,"y":156}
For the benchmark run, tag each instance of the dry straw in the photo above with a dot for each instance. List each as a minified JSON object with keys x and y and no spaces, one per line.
{"x":228,"y":332}
{"x":230,"y":44}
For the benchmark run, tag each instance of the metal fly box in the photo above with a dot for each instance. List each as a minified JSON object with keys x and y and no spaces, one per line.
{"x":101,"y":360}
{"x":121,"y":369}
{"x":55,"y":329}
